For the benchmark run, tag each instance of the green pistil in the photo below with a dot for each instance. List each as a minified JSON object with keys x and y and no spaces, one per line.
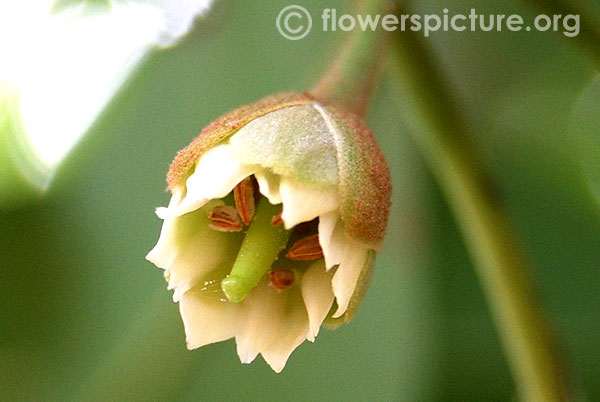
{"x":258,"y":252}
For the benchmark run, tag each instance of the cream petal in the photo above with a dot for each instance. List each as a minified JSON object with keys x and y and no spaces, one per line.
{"x":188,"y":249}
{"x":327,"y":223}
{"x":246,"y":350}
{"x":303,"y":204}
{"x":258,"y":328}
{"x":268,"y":184}
{"x":350,"y":255}
{"x":207,"y":320}
{"x":273,"y":323}
{"x":318,"y":296}
{"x":278,"y":353}
{"x":346,"y":276}
{"x":216,"y":174}
{"x":162,"y":254}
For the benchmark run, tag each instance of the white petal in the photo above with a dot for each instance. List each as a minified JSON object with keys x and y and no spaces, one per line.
{"x":272,"y":323}
{"x":207,"y":320}
{"x":188,"y":249}
{"x":327,"y":223}
{"x":303,"y":204}
{"x":257,"y":328}
{"x":161,"y":255}
{"x":352,"y":256}
{"x":346,"y":276}
{"x":217,"y":173}
{"x":317,"y":295}
{"x":268,"y":184}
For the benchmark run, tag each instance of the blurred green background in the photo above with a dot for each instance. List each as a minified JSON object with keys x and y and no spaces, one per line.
{"x":83,"y":317}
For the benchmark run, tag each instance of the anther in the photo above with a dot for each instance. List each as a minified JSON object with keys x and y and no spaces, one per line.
{"x":306,"y":249}
{"x":282,"y":278}
{"x":243,"y":194}
{"x":225,"y":219}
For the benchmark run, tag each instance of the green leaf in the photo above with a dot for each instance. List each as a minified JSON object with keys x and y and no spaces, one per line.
{"x":586,"y":126}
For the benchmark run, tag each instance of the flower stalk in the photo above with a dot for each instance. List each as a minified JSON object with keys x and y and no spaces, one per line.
{"x":350,"y":81}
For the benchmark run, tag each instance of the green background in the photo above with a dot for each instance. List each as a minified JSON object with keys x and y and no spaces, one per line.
{"x":83,"y":317}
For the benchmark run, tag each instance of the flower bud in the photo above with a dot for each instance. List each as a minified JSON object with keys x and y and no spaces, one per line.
{"x":312,"y":194}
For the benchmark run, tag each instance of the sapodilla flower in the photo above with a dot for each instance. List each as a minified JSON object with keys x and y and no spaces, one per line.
{"x":276,"y":213}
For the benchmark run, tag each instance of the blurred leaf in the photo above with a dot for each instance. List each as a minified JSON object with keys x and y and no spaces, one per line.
{"x":586,"y":125}
{"x":588,"y":37}
{"x":59,"y":71}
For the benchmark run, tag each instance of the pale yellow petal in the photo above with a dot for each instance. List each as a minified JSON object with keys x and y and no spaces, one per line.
{"x":273,"y":323}
{"x":207,"y":319}
{"x":346,"y":276}
{"x":303,"y":204}
{"x":318,"y":295}
{"x":162,"y":254}
{"x":268,"y":184}
{"x":216,"y":174}
{"x":188,"y":249}
{"x":327,"y":224}
{"x":350,"y":256}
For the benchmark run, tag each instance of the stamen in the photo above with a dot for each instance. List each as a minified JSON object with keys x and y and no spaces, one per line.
{"x":243,"y":194}
{"x":306,"y":249}
{"x":282,"y":278}
{"x":260,"y":249}
{"x":225,"y":218}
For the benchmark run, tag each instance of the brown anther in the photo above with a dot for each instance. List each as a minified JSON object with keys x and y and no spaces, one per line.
{"x":306,"y":249}
{"x":225,"y":219}
{"x":276,"y":221}
{"x":243,"y":194}
{"x":282,"y":278}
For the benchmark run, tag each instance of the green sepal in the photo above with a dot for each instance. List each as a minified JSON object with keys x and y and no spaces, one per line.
{"x":293,"y":142}
{"x":222,"y":128}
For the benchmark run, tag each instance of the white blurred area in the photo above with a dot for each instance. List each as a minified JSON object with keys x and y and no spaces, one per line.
{"x":59,"y":70}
